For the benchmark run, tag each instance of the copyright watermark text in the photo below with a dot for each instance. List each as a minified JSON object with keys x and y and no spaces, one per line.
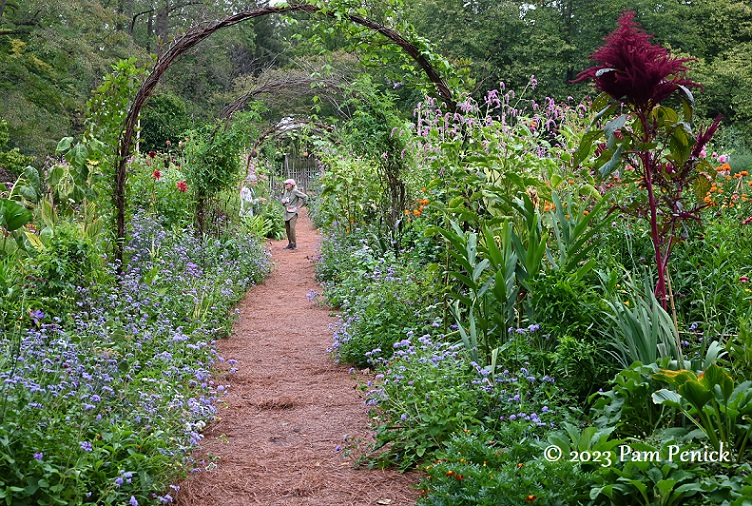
{"x":625,"y":453}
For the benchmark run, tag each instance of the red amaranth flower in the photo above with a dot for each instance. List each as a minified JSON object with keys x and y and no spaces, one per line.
{"x":632,"y":70}
{"x":182,"y":186}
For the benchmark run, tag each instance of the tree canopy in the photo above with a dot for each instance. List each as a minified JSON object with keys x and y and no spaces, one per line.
{"x":52,"y":54}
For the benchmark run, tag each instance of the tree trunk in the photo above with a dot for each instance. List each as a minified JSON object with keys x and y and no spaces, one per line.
{"x":162,"y":26}
{"x":149,"y":32}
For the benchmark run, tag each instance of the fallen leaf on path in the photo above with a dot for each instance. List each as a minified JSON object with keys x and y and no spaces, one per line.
{"x":384,"y":501}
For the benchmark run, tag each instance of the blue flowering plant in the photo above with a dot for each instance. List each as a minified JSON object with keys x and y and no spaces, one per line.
{"x":429,"y":390}
{"x":104,"y":406}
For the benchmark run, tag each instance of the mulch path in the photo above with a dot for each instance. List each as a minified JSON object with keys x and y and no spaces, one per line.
{"x":289,"y":405}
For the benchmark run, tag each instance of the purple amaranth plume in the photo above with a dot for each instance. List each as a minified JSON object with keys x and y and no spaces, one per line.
{"x":632,"y":70}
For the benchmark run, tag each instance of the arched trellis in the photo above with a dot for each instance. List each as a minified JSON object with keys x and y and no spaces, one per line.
{"x":242,"y":102}
{"x":196,"y":36}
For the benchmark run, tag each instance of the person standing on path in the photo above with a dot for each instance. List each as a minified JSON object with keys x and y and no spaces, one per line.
{"x":292,"y":199}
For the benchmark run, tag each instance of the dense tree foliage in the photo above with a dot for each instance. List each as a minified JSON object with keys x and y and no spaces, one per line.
{"x":52,"y":54}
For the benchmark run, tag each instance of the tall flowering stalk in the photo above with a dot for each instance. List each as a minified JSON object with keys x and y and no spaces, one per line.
{"x":655,"y":143}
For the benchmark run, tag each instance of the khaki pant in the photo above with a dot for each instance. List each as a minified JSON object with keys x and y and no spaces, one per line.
{"x":290,"y":230}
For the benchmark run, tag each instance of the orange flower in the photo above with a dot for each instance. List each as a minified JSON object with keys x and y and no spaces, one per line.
{"x":416,"y":212}
{"x":530,"y":498}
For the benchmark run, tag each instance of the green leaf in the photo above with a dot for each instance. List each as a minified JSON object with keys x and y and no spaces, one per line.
{"x":12,"y":215}
{"x":611,"y":127}
{"x":613,"y":163}
{"x":586,"y":144}
{"x":64,"y":144}
{"x":668,"y":398}
{"x":697,"y":393}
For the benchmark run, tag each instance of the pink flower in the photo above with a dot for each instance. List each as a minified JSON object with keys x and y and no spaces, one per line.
{"x":723,"y":158}
{"x":156,"y":175}
{"x":703,"y":153}
{"x":182,"y":186}
{"x":744,"y":279}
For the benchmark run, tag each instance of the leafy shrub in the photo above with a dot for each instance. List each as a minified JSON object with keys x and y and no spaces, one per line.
{"x":11,"y":160}
{"x":69,"y":260}
{"x":153,"y":188}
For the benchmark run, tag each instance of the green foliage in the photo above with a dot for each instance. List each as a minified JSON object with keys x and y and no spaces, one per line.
{"x":578,"y":365}
{"x":52,"y":56}
{"x":645,"y":482}
{"x":269,"y":224}
{"x":721,"y":410}
{"x":11,"y":160}
{"x":154,"y":187}
{"x":431,"y":391}
{"x":640,"y":330}
{"x":740,"y":349}
{"x":163,"y":118}
{"x":382,"y":299}
{"x":484,"y":302}
{"x":627,"y":406}
{"x":211,"y":159}
{"x":67,"y":261}
{"x":478,"y":468}
{"x":709,"y":273}
{"x":349,"y":192}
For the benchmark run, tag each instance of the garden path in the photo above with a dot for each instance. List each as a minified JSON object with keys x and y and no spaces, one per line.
{"x":289,"y":405}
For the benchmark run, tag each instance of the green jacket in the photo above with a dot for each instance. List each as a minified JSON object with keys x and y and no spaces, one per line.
{"x":293,"y":200}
